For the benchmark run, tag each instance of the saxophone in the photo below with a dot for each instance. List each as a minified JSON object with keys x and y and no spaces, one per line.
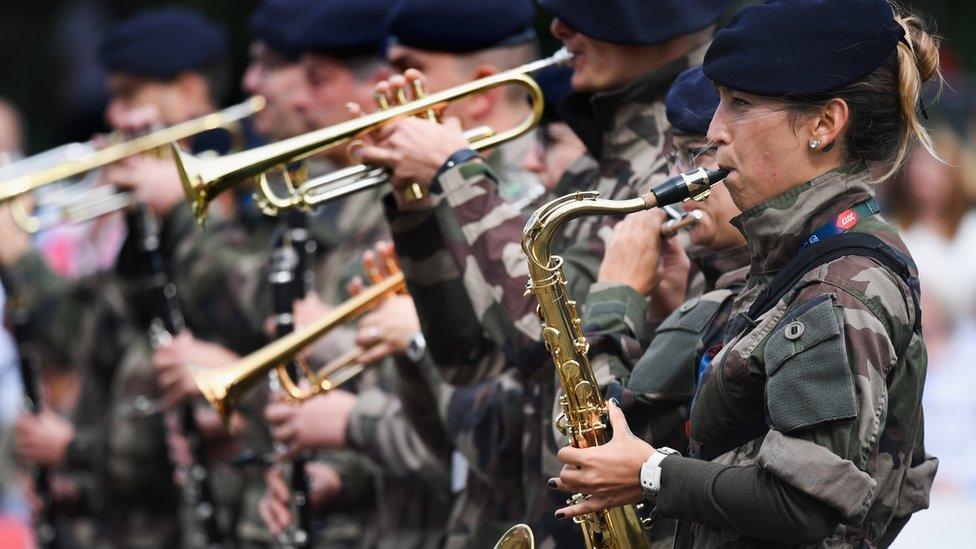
{"x":584,"y":418}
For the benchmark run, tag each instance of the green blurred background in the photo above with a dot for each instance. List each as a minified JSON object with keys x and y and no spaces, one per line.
{"x":48,"y":69}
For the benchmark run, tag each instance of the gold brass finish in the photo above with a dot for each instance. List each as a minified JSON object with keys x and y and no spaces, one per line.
{"x":584,"y":411}
{"x":21,"y":184}
{"x":205,"y":178}
{"x":517,"y":537}
{"x":224,"y":387}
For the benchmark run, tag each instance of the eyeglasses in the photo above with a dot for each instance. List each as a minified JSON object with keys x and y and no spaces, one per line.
{"x":687,"y":157}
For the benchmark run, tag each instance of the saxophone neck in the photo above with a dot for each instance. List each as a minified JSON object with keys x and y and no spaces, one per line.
{"x":548,"y":220}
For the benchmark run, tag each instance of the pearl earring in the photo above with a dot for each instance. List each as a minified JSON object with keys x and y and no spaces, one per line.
{"x":814,"y":143}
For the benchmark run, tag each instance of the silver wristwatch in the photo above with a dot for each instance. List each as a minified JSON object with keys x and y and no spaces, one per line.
{"x":650,"y":473}
{"x":416,"y":347}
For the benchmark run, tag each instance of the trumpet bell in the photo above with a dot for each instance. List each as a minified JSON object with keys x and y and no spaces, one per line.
{"x":224,"y":387}
{"x":197,"y":193}
{"x":517,"y":537}
{"x":222,"y":393}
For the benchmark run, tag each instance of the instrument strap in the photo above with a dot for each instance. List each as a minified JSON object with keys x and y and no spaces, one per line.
{"x":809,"y":258}
{"x":843,"y":222}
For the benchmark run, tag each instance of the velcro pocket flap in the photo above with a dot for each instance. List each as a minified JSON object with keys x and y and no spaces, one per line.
{"x":667,"y":370}
{"x":809,"y":379}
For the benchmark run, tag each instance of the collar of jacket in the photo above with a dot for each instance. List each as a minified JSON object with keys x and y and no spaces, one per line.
{"x":775,"y":227}
{"x":601,"y":119}
{"x":715,"y":265}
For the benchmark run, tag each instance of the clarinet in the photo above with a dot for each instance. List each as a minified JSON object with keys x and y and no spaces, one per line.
{"x":167,"y":321}
{"x":291,"y":278}
{"x":46,"y":526}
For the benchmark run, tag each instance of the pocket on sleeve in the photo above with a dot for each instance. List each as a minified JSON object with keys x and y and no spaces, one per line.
{"x":808,"y":375}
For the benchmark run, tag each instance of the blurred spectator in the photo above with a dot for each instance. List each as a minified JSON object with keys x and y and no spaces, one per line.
{"x":11,"y":391}
{"x":931,"y":203}
{"x":11,"y":133}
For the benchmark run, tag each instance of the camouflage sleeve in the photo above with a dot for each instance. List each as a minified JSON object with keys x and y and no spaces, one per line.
{"x":56,"y":315}
{"x":358,"y":479}
{"x":379,"y":427}
{"x":87,"y":449}
{"x":454,"y":334}
{"x":483,"y":234}
{"x":485,"y":422}
{"x":845,"y":431}
{"x":417,"y":387}
{"x":616,"y":308}
{"x":220,"y":273}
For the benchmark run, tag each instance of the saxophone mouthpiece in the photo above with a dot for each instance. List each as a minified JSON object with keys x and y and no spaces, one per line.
{"x":692,"y":185}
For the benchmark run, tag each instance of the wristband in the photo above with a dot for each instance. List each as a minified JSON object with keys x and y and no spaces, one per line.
{"x":460,"y":156}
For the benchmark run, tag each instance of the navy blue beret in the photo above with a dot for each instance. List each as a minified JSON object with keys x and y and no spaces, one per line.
{"x":459,"y":26}
{"x":691,"y":103}
{"x":273,"y":23}
{"x":556,"y":87}
{"x":802,"y":46}
{"x":342,"y":27}
{"x":637,"y":22}
{"x":162,"y":43}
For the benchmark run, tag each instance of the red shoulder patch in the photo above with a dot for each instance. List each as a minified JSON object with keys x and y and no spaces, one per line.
{"x":847,"y":219}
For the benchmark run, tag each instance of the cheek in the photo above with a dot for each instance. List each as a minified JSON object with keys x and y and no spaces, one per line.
{"x":762,"y":150}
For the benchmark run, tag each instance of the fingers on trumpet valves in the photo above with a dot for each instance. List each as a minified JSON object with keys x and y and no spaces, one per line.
{"x":371,"y":266}
{"x":399,"y":84}
{"x":382,"y":95}
{"x":387,"y":253}
{"x":416,"y":80}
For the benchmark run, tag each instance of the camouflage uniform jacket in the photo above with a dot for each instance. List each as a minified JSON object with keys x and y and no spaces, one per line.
{"x":118,"y":454}
{"x":844,"y":409}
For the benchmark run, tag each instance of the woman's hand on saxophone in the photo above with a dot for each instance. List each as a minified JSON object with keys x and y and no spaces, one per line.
{"x":609,"y":474}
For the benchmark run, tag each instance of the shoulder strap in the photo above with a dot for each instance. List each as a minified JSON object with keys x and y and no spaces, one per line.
{"x":846,"y":244}
{"x":809,"y":258}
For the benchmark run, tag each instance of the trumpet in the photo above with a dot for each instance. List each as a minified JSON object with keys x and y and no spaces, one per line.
{"x":223,"y":388}
{"x":71,"y":206}
{"x":680,"y":222}
{"x":83,"y":157}
{"x":203,"y":179}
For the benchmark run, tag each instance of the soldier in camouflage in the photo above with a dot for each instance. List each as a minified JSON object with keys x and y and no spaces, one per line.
{"x":452,"y":58}
{"x":118,"y":437}
{"x":806,"y":426}
{"x":460,"y":249}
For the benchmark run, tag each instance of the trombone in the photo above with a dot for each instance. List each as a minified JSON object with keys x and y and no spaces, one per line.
{"x":224,"y":387}
{"x":205,"y":178}
{"x":80,"y":158}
